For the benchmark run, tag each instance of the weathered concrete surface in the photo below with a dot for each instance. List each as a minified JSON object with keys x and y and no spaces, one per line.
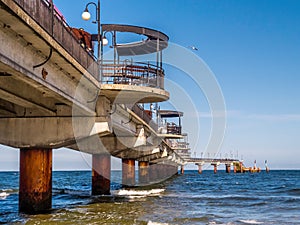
{"x":35,"y":180}
{"x":131,"y":94}
{"x":48,"y":132}
{"x":39,"y":90}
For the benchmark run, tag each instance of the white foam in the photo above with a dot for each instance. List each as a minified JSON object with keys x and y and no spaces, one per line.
{"x":136,"y":193}
{"x":3,"y":195}
{"x":251,"y":222}
{"x":154,"y":223}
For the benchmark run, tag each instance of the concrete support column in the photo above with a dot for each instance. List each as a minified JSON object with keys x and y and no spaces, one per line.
{"x":101,"y":172}
{"x":153,"y":173}
{"x":169,"y":170}
{"x":199,"y":168}
{"x":173,"y":170}
{"x":128,"y":172}
{"x":176,"y":169}
{"x":162,"y":171}
{"x":228,"y":168}
{"x":144,"y":172}
{"x":35,"y":191}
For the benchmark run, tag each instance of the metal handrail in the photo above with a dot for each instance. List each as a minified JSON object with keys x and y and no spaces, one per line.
{"x":132,"y":73}
{"x":173,"y":128}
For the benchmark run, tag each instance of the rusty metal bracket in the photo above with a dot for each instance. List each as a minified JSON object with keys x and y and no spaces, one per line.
{"x":50,"y":54}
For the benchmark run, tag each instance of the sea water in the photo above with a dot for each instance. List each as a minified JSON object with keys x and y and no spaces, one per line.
{"x":192,"y":198}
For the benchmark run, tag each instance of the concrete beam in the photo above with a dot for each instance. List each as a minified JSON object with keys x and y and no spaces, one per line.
{"x":23,"y":49}
{"x":21,"y":101}
{"x":49,"y":132}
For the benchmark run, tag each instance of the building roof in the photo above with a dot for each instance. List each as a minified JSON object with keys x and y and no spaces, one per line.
{"x":170,"y":113}
{"x":156,"y":40}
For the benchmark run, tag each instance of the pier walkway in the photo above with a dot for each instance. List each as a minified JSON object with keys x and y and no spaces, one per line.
{"x":55,"y":93}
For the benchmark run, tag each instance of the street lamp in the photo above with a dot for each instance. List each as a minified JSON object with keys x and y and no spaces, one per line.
{"x":86,"y":16}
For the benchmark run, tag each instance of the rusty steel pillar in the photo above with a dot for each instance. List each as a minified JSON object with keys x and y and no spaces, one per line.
{"x":35,"y":191}
{"x":228,"y":168}
{"x":241,"y":166}
{"x":199,"y":169}
{"x":128,"y":172}
{"x":143,"y":172}
{"x":101,"y":171}
{"x":182,"y":170}
{"x":215,"y":168}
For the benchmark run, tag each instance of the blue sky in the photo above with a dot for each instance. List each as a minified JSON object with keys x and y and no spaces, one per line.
{"x":252,"y":47}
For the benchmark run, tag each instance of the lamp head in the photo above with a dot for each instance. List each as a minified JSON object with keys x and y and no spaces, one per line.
{"x":104,"y":41}
{"x":86,"y":14}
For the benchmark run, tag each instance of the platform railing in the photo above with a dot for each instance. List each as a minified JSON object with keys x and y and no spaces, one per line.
{"x":51,"y":20}
{"x":145,"y":115}
{"x":173,"y":128}
{"x":132,"y":73}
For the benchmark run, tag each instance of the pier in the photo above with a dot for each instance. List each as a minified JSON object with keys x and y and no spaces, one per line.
{"x":54,"y":92}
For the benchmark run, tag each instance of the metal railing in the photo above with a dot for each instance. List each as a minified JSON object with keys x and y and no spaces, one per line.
{"x":132,"y":73}
{"x":173,"y":128}
{"x":47,"y":16}
{"x":146,"y":115}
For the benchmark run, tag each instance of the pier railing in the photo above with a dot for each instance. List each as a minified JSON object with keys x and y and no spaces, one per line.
{"x":132,"y":73}
{"x":144,"y":114}
{"x":212,"y":160}
{"x":173,"y":128}
{"x":51,"y":20}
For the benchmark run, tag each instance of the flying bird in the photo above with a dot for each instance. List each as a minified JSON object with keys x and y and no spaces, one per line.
{"x":193,"y":48}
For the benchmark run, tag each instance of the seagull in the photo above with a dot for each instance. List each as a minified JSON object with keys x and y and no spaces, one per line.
{"x":193,"y":48}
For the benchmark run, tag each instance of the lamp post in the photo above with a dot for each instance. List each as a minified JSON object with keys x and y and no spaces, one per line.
{"x":86,"y":16}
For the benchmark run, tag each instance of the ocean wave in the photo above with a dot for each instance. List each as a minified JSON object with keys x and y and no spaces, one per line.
{"x":251,"y":222}
{"x":3,"y":195}
{"x":10,"y":190}
{"x":294,"y":191}
{"x":233,"y":197}
{"x":155,"y":223}
{"x":138,"y":193}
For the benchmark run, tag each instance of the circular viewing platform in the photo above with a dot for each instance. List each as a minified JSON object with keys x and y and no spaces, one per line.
{"x":123,"y":79}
